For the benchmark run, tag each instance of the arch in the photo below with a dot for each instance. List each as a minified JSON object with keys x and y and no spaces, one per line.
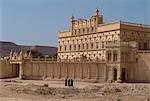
{"x":15,"y":71}
{"x":115,"y":74}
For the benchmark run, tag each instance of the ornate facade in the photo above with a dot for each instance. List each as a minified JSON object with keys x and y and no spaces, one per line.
{"x":95,"y":40}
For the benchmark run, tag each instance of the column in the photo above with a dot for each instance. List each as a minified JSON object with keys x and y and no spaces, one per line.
{"x":105,"y":73}
{"x":73,"y":71}
{"x":21,"y":71}
{"x":44,"y":72}
{"x":89,"y":74}
{"x":67,"y":70}
{"x":59,"y":72}
{"x":52,"y":71}
{"x":81,"y":71}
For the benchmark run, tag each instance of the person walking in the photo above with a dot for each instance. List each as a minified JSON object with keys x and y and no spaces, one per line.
{"x":69,"y":81}
{"x":66,"y":82}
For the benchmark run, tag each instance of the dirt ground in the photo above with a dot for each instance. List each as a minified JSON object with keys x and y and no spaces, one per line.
{"x":38,"y":90}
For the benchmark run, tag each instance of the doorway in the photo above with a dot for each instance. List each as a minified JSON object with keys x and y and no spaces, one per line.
{"x":15,"y":70}
{"x":115,"y":74}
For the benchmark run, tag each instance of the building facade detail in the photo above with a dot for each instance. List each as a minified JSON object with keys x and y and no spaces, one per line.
{"x":93,"y":39}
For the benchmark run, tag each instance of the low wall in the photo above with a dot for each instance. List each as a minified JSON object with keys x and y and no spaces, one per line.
{"x":81,"y":71}
{"x":61,"y":70}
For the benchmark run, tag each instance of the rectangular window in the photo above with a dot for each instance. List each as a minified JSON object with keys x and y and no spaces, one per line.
{"x":79,"y":31}
{"x":82,"y":46}
{"x":65,"y":48}
{"x":115,"y":56}
{"x":91,"y":45}
{"x":103,"y":45}
{"x":87,"y":46}
{"x":87,"y":30}
{"x":75,"y":32}
{"x":74,"y":47}
{"x":92,"y":29}
{"x":79,"y":47}
{"x":83,"y":31}
{"x":97,"y":45}
{"x":70,"y":47}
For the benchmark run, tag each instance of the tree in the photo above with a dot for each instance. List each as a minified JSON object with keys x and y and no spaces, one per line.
{"x":54,"y":56}
{"x":35,"y":53}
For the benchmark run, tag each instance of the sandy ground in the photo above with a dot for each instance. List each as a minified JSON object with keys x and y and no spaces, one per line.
{"x":37,"y":90}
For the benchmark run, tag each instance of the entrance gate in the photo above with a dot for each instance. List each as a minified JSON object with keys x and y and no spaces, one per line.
{"x":115,"y":74}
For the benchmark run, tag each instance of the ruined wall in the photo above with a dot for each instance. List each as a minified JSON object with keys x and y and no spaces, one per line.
{"x":7,"y":70}
{"x":61,"y":70}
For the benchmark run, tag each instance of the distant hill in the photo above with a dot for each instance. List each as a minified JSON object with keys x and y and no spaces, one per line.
{"x":6,"y":47}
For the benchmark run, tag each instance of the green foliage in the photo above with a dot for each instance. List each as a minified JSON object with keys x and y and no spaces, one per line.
{"x":54,"y":56}
{"x":35,"y":53}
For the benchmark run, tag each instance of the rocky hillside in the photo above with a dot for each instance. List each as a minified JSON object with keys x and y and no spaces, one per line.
{"x":6,"y":47}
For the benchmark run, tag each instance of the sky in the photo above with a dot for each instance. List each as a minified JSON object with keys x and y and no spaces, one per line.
{"x":37,"y":22}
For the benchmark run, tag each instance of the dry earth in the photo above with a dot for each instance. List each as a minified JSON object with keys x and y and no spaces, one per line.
{"x":36,"y":90}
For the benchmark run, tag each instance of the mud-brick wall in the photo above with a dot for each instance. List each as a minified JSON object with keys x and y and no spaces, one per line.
{"x":139,"y":71}
{"x":62,"y":70}
{"x":7,"y":70}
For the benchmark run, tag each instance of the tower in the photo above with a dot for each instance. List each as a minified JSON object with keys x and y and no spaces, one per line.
{"x":72,"y":23}
{"x":99,"y":18}
{"x":97,"y":11}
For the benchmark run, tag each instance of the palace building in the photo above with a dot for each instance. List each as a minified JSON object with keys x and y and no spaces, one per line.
{"x":123,"y":46}
{"x":91,"y":50}
{"x":93,"y":39}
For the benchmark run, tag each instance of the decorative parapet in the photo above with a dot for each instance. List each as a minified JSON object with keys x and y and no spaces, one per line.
{"x":14,"y":56}
{"x":64,"y":34}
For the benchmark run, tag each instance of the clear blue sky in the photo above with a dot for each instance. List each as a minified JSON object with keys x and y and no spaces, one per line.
{"x":37,"y":22}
